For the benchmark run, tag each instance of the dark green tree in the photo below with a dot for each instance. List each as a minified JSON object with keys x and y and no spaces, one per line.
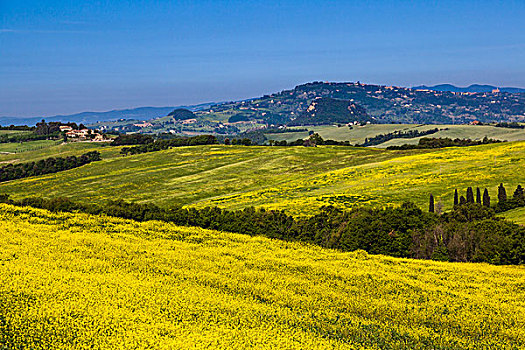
{"x":486,"y":198}
{"x":456,"y":197}
{"x":470,"y":195}
{"x":519,"y":196}
{"x":431,"y":204}
{"x":478,"y":195}
{"x":502,"y":194}
{"x":462,"y":200}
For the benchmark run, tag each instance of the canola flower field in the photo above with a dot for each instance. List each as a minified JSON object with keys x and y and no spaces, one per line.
{"x":75,"y":281}
{"x":297,"y":179}
{"x":389,"y":182}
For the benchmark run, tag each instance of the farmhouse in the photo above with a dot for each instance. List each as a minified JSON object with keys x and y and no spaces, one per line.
{"x":65,"y":128}
{"x":78,"y":133}
{"x":85,"y":135}
{"x":143,"y":124}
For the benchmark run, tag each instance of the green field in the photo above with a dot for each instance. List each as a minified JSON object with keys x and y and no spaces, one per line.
{"x":14,"y":132}
{"x":75,"y":281}
{"x":297,"y":179}
{"x":18,"y":147}
{"x":36,"y":152}
{"x":359,"y":133}
{"x":516,"y":215}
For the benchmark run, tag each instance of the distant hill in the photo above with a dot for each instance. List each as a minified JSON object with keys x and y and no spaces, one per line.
{"x":327,"y":110}
{"x":386,"y":104}
{"x":140,"y":113}
{"x":471,"y":88}
{"x":181,"y":114}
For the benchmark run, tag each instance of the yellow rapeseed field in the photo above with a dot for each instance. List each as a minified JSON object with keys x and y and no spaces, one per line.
{"x":76,"y":281}
{"x":392,"y":181}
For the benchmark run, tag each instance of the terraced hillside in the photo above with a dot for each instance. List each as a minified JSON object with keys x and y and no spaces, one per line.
{"x":297,"y":179}
{"x":99,"y":282}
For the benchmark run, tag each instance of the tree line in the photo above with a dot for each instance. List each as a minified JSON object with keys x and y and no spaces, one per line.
{"x":46,"y":166}
{"x":512,"y":125}
{"x":44,"y":128}
{"x":504,"y":203}
{"x":132,"y":139}
{"x":410,"y":134}
{"x":15,"y":138}
{"x":470,"y":232}
{"x":159,"y":145}
{"x":17,"y":127}
{"x":428,"y":142}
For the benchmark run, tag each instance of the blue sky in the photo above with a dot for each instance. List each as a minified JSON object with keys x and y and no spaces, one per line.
{"x":61,"y":57}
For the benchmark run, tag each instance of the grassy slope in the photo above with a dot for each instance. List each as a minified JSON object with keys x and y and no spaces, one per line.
{"x":34,"y":153}
{"x":294,"y":178}
{"x":516,"y":215}
{"x":190,"y":174}
{"x":467,"y":131}
{"x":358,"y":134}
{"x":17,"y":147}
{"x":412,"y":177}
{"x":14,"y":132}
{"x":90,"y":281}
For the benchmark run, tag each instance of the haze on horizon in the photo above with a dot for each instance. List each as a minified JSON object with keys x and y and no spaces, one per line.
{"x":62,"y":57}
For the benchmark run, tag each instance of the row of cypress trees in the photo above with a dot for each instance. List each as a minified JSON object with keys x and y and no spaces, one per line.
{"x":504,"y":203}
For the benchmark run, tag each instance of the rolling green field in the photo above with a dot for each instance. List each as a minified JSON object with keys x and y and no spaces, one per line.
{"x":297,"y":179}
{"x":13,"y":132}
{"x":516,"y":215}
{"x":76,"y":281}
{"x":358,"y":133}
{"x":57,"y":149}
{"x":18,"y":147}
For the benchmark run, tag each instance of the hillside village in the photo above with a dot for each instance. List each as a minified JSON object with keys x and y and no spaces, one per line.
{"x":382,"y":104}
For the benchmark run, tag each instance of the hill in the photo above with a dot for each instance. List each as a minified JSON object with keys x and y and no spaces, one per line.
{"x":471,"y":88}
{"x":383,"y":104}
{"x":93,"y":281}
{"x":181,"y":114}
{"x":331,"y":111}
{"x":297,"y":179}
{"x":387,"y":104}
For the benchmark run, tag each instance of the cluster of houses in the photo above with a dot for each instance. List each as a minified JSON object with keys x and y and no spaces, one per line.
{"x":82,"y":134}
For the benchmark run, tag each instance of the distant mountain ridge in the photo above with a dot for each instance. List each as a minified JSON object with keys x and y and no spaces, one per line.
{"x":139,"y":113}
{"x":471,"y":88}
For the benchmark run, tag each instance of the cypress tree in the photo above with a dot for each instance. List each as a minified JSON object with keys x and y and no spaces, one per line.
{"x":486,"y":198}
{"x":478,"y":195}
{"x":470,"y":195}
{"x":456,"y":197}
{"x":431,"y":204}
{"x":502,"y":194}
{"x":519,"y":196}
{"x":462,"y":200}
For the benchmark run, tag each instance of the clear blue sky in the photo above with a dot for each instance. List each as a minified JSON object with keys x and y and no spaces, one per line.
{"x":60,"y":57}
